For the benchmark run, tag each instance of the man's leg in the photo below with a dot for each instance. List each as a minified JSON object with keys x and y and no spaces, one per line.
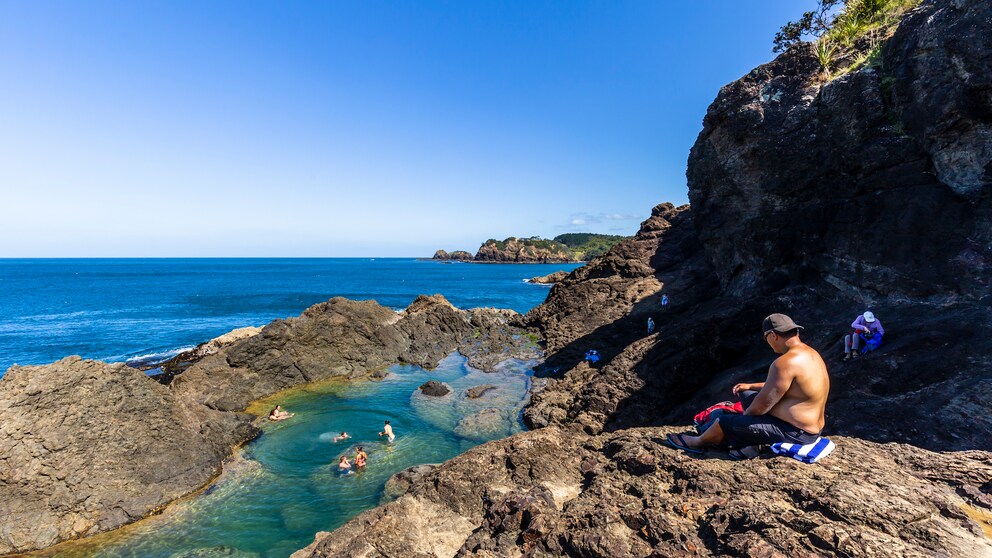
{"x":847,"y":344}
{"x":712,"y":437}
{"x":855,"y":345}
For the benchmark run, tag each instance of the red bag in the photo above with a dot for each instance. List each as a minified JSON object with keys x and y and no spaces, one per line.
{"x":724,"y":407}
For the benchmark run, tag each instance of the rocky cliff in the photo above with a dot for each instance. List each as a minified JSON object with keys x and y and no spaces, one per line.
{"x":86,"y":446}
{"x":523,"y":250}
{"x":819,"y":199}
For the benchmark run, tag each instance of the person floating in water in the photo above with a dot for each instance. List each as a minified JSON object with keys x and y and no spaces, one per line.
{"x":343,"y":464}
{"x":787,"y":407}
{"x":360,"y":458}
{"x":387,"y":431}
{"x":279,"y":414}
{"x":343,"y":436}
{"x":650,"y":325}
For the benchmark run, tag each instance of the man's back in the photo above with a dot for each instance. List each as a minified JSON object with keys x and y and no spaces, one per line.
{"x":804,"y":402}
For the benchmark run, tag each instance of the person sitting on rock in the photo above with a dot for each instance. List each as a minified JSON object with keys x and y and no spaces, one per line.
{"x":865,"y":326}
{"x":279,"y":414}
{"x":787,"y":407}
{"x":343,"y":464}
{"x":343,"y":436}
{"x":360,"y":457}
{"x":387,"y":431}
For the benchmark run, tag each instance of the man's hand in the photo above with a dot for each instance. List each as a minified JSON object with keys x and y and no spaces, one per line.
{"x":741,"y":387}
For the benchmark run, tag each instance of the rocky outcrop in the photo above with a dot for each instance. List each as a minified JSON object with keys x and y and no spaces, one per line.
{"x":523,"y":250}
{"x":87,"y":446}
{"x":549,"y":279}
{"x":457,"y":255}
{"x":556,"y":493}
{"x":175,"y":365}
{"x":348,"y":338}
{"x":819,"y":200}
{"x":434,"y":388}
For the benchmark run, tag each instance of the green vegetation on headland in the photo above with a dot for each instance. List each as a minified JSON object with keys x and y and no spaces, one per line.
{"x":847,"y":34}
{"x":570,"y":247}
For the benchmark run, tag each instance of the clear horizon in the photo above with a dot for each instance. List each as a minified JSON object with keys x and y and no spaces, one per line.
{"x":374,"y":129}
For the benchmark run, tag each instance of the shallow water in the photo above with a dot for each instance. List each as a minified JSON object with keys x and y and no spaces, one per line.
{"x":284,"y":487}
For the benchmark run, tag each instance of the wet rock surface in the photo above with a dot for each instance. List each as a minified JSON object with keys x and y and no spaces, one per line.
{"x":624,"y":494}
{"x":549,"y":279}
{"x":478,"y":391}
{"x":434,"y":388}
{"x":87,"y":446}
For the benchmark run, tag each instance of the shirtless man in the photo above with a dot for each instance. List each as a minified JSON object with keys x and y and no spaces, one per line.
{"x":789,"y":404}
{"x":387,"y":431}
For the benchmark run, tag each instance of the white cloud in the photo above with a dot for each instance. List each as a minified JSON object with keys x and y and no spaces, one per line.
{"x":577,"y":222}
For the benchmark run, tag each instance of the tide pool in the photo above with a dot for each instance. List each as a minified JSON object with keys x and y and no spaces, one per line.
{"x":282,"y":488}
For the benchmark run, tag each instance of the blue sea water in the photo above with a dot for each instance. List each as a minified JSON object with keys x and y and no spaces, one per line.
{"x":121,"y":309}
{"x":283,"y":487}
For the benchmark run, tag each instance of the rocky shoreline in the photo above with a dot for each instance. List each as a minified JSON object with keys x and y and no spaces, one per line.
{"x":810,"y":197}
{"x":88,"y":446}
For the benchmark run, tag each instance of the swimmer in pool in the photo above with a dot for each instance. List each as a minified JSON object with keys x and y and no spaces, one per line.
{"x":343,"y":436}
{"x":279,"y":414}
{"x":387,"y":431}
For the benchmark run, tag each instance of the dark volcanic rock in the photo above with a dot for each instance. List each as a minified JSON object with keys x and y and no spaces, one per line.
{"x":462,"y":256}
{"x":478,"y":391}
{"x":819,"y":201}
{"x":549,"y":279}
{"x":86,"y":447}
{"x":556,"y":493}
{"x":434,"y":388}
{"x":441,"y":255}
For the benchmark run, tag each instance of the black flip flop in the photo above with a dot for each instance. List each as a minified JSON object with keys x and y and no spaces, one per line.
{"x":680,"y":444}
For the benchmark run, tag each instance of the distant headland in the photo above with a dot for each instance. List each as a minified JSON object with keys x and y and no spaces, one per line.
{"x":564,"y":248}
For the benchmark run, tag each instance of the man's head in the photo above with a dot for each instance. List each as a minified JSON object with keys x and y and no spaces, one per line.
{"x":387,"y":422}
{"x":778,"y":329}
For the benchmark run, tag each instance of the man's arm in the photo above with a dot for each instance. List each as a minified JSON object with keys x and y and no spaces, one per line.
{"x":775,"y":386}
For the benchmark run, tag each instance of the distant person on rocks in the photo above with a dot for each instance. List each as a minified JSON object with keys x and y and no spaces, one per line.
{"x":343,"y":436}
{"x":787,"y":407}
{"x":387,"y":431}
{"x":360,"y":457}
{"x":664,"y":302}
{"x":865,"y":327}
{"x":278,"y":414}
{"x":650,"y":325}
{"x":343,"y":464}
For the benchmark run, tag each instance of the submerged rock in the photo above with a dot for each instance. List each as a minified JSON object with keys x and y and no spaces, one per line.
{"x":487,"y":424}
{"x":434,"y":388}
{"x":478,"y":391}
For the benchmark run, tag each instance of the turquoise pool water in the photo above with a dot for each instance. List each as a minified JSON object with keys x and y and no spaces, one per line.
{"x":284,"y":487}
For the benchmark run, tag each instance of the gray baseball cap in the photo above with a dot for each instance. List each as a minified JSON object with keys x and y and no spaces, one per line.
{"x":779,"y":323}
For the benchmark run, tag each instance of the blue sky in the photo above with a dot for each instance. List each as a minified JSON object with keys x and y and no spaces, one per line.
{"x":352,"y":129}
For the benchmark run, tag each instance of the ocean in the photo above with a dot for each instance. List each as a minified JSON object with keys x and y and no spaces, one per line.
{"x":149,"y":309}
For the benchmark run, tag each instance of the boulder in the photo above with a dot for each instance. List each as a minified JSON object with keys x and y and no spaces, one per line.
{"x":441,"y":255}
{"x":434,"y":388}
{"x":88,"y":446}
{"x":549,"y":279}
